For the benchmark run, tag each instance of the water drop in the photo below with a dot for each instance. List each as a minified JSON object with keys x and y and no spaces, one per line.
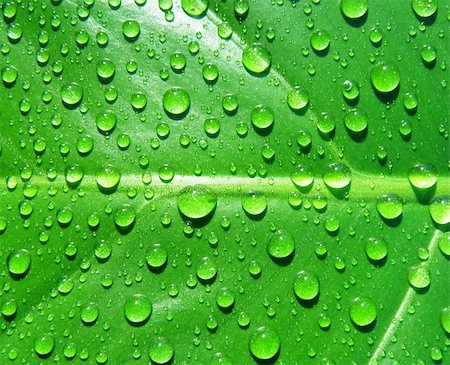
{"x":195,"y":8}
{"x":206,"y":269}
{"x":105,"y":69}
{"x":108,"y":178}
{"x":176,"y":101}
{"x":306,"y":285}
{"x":196,"y":201}
{"x":131,"y":30}
{"x":320,"y":40}
{"x":281,"y":245}
{"x":422,"y":176}
{"x":440,"y":210}
{"x":225,"y":298}
{"x":264,"y":343}
{"x":137,"y":309}
{"x":256,"y":58}
{"x":89,"y":313}
{"x":106,"y":122}
{"x":44,"y":345}
{"x":302,"y":176}
{"x":363,"y":311}
{"x":354,"y":9}
{"x":419,"y":276}
{"x":445,"y":319}
{"x":356,"y":120}
{"x":337,"y":176}
{"x":262,"y":117}
{"x":298,"y":98}
{"x":71,"y":94}
{"x":385,"y":78}
{"x":124,"y":217}
{"x":424,"y":8}
{"x":156,"y":256}
{"x":390,"y":206}
{"x":254,"y":204}
{"x":161,"y":351}
{"x":19,"y":262}
{"x":376,"y":249}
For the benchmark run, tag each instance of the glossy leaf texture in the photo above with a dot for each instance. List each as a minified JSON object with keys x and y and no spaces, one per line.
{"x":224,"y":182}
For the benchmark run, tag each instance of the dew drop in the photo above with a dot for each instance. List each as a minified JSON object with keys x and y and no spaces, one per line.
{"x":385,"y":78}
{"x":254,"y":204}
{"x":225,"y":298}
{"x":390,"y":206}
{"x":106,"y":122}
{"x":206,"y":269}
{"x":176,"y":101}
{"x":124,"y":217}
{"x":264,"y":343}
{"x":298,"y":98}
{"x":262,"y":117}
{"x":44,"y":345}
{"x":256,"y":58}
{"x":19,"y":262}
{"x":89,"y":313}
{"x":302,"y":176}
{"x":196,"y":201}
{"x":195,"y":8}
{"x":422,"y":176}
{"x":137,"y":309}
{"x":131,"y":30}
{"x":424,"y":8}
{"x":356,"y":120}
{"x":306,"y":285}
{"x":337,"y":176}
{"x":108,"y":178}
{"x":161,"y":351}
{"x":354,"y":9}
{"x":320,"y":40}
{"x":281,"y":245}
{"x":419,"y":276}
{"x":363,"y":311}
{"x":156,"y":256}
{"x":376,"y":249}
{"x":445,"y":319}
{"x":440,"y":210}
{"x":105,"y":69}
{"x":71,"y":94}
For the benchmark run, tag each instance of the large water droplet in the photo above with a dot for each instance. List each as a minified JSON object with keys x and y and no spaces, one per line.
{"x":302,"y":176}
{"x":385,"y":77}
{"x":89,"y":313}
{"x":196,"y":202}
{"x":254,"y":204}
{"x":423,"y":176}
{"x":363,"y":311}
{"x":71,"y":94}
{"x":264,"y":343}
{"x":298,"y":98}
{"x":419,"y":276}
{"x":262,"y":117}
{"x":206,"y":269}
{"x":424,"y":8}
{"x":161,"y":351}
{"x":124,"y":217}
{"x":44,"y":345}
{"x":281,"y":245}
{"x":19,"y":262}
{"x":356,"y":120}
{"x":176,"y":101}
{"x":354,"y":9}
{"x":337,"y":176}
{"x":195,"y":8}
{"x":106,"y":121}
{"x":108,"y":178}
{"x":440,"y":210}
{"x":306,"y":285}
{"x":390,"y":206}
{"x":376,"y":249}
{"x":137,"y":309}
{"x":445,"y":319}
{"x":256,"y":58}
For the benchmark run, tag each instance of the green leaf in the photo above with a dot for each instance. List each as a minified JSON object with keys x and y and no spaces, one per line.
{"x":224,"y":182}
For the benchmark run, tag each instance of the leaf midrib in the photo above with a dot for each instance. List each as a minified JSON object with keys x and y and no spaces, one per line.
{"x":363,"y":186}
